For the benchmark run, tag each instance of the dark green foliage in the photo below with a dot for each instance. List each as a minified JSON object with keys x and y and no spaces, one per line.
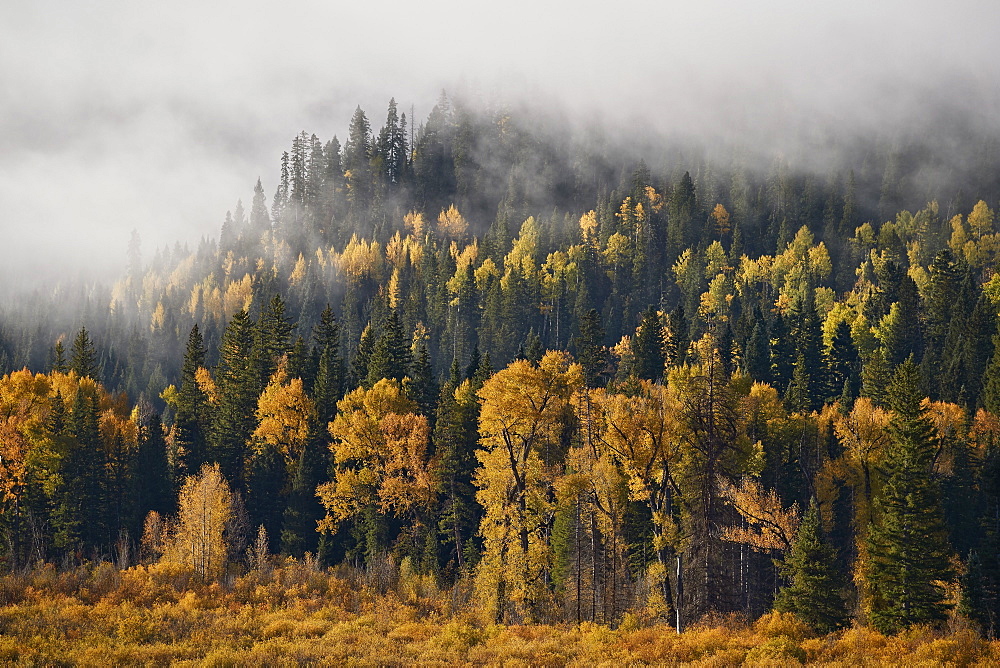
{"x":757,"y":357}
{"x":390,"y":357}
{"x":271,"y":341}
{"x":79,"y":513}
{"x":83,"y":358}
{"x":455,"y":441}
{"x":589,"y":346}
{"x":843,"y":365}
{"x":422,"y":387}
{"x":192,"y":422}
{"x":59,"y":358}
{"x":298,"y":529}
{"x":875,"y":377}
{"x":331,"y":382}
{"x":815,"y":590}
{"x":908,"y":541}
{"x":237,"y":378}
{"x":151,"y":480}
{"x":647,"y":347}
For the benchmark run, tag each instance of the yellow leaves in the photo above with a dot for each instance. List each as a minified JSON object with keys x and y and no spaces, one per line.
{"x":156,"y":322}
{"x":415,"y":224}
{"x":981,"y":219}
{"x":203,"y":377}
{"x":588,"y":227}
{"x":298,"y":272}
{"x":204,"y":508}
{"x":451,"y":224}
{"x":767,"y":525}
{"x":617,"y":250}
{"x":522,"y":253}
{"x":655,"y":199}
{"x":642,"y":432}
{"x":380,"y":454}
{"x":360,"y":258}
{"x":721,"y":219}
{"x":486,"y":271}
{"x":283,"y":415}
{"x":863,"y":430}
{"x":959,"y":236}
{"x":239,"y":295}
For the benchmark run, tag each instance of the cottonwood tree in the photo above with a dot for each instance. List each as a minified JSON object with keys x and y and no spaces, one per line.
{"x":523,"y":423}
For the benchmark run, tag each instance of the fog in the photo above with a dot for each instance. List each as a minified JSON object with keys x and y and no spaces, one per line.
{"x":158,"y":116}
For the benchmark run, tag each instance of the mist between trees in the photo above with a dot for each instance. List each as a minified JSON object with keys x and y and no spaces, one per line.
{"x":568,"y":384}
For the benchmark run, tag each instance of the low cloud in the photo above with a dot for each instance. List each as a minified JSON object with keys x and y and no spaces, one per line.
{"x":119,"y":115}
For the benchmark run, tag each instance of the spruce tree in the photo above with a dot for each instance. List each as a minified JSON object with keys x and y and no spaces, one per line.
{"x":589,"y":345}
{"x":192,"y":419}
{"x":59,"y":363}
{"x":236,"y":381}
{"x":390,"y":356}
{"x":330,"y":383}
{"x":152,"y":486}
{"x":647,"y":347}
{"x":83,"y":359}
{"x":843,"y":364}
{"x":908,"y":540}
{"x":815,"y":590}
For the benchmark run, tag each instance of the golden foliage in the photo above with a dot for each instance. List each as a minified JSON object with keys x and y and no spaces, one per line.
{"x":451,"y":224}
{"x":380,"y":455}
{"x":767,"y":525}
{"x":203,"y":510}
{"x":284,"y":412}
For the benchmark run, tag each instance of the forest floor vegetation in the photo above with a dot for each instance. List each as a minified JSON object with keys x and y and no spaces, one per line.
{"x":297,"y":613}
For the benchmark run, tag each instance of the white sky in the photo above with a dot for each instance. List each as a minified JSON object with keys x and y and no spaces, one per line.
{"x":159,"y":116}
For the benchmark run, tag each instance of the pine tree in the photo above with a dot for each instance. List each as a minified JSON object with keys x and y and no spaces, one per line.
{"x":152,"y":486}
{"x":272,"y":340}
{"x":260,"y":220}
{"x":815,"y":590}
{"x":908,"y":541}
{"x":236,"y":381}
{"x":192,"y":420}
{"x":299,"y":526}
{"x":390,"y":356}
{"x":423,"y":388}
{"x":59,"y":363}
{"x":590,"y":351}
{"x":843,"y":364}
{"x":647,"y":347}
{"x":83,"y":359}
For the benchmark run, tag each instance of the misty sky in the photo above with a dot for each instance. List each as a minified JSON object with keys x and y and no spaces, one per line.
{"x":159,"y":116}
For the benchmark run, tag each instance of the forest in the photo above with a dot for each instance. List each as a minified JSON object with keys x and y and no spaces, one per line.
{"x":487,"y":368}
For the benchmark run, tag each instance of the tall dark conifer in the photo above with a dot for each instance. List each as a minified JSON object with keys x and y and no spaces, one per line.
{"x":908,"y":541}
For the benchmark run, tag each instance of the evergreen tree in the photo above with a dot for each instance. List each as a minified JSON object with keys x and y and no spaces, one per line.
{"x":908,"y":540}
{"x":422,"y":388}
{"x":390,"y":357}
{"x":815,"y":590}
{"x":589,"y":345}
{"x":298,"y":530}
{"x":330,"y":382}
{"x":647,"y":347}
{"x":236,"y":381}
{"x":757,"y":357}
{"x":843,"y":364}
{"x":59,"y":363}
{"x":83,"y":359}
{"x":192,"y":418}
{"x":152,"y":486}
{"x":79,"y":510}
{"x":272,"y":340}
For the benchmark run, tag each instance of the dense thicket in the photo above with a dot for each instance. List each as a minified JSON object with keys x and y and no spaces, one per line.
{"x":584,"y":385}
